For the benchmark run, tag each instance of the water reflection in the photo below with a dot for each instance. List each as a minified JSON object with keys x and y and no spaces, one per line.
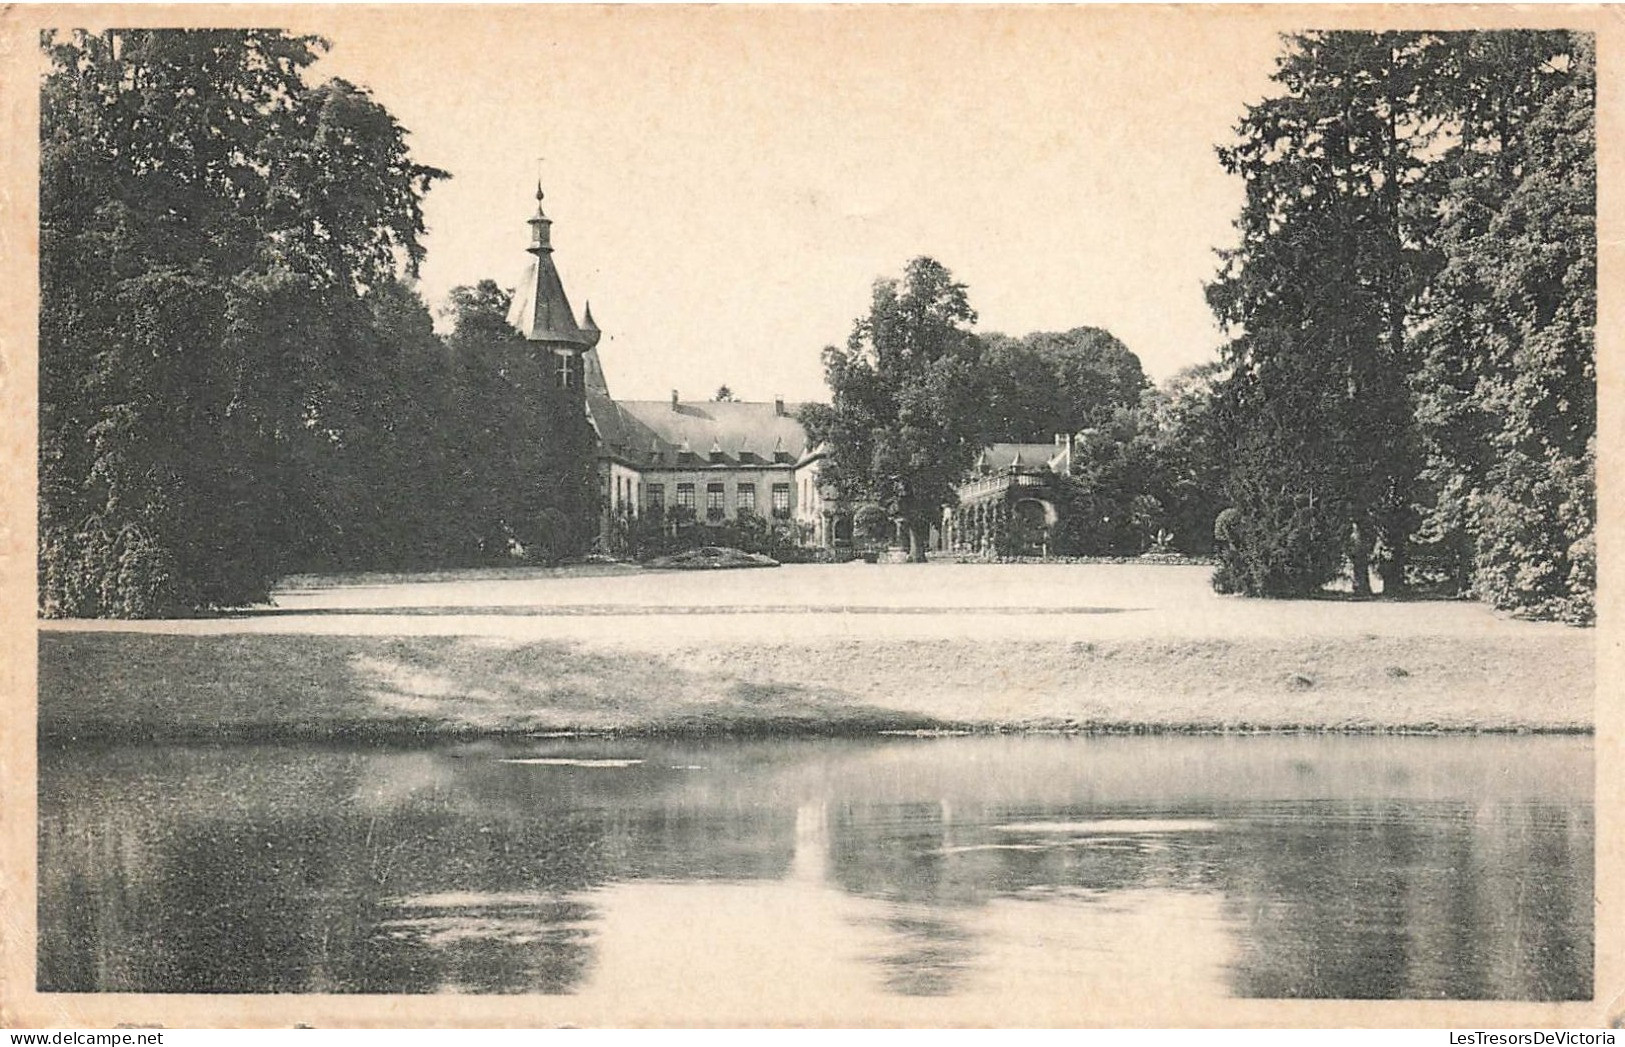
{"x":1270,"y":866}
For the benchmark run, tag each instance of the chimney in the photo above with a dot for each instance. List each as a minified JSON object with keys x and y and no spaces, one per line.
{"x":778,"y":406}
{"x":674,"y":399}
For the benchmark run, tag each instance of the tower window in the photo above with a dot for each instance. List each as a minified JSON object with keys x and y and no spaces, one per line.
{"x":567,"y":371}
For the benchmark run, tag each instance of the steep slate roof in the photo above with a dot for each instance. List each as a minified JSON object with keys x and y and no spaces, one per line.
{"x":541,"y":310}
{"x":646,"y":433}
{"x":747,"y":433}
{"x":1032,"y":456}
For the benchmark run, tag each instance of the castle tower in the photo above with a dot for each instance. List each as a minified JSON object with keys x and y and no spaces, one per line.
{"x":541,"y":310}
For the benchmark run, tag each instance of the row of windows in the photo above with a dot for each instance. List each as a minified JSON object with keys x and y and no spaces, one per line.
{"x":715,"y":498}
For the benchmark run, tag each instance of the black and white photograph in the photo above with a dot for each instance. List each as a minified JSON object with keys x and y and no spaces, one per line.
{"x":788,"y":515}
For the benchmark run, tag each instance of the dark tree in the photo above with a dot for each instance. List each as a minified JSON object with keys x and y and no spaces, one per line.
{"x":210,"y":227}
{"x":1329,"y":264}
{"x":1111,"y":504}
{"x":1416,"y":296}
{"x":1289,"y":478}
{"x":1188,"y":455}
{"x":520,"y":450}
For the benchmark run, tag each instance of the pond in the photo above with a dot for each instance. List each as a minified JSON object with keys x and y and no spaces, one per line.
{"x":1255,"y":866}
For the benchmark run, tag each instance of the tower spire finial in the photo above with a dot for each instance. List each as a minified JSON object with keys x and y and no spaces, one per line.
{"x":540,"y":225}
{"x":540,"y":309}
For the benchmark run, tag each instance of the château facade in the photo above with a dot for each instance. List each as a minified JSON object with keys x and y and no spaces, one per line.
{"x":714,"y":459}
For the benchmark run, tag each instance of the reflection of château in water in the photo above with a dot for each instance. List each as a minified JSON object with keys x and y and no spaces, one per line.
{"x":1358,"y":867}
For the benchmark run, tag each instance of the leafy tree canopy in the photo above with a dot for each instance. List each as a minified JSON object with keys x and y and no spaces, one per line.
{"x":1056,"y":382}
{"x":905,"y":420}
{"x":212,"y":229}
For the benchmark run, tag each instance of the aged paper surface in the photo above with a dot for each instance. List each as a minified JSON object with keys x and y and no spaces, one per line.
{"x":1059,"y":39}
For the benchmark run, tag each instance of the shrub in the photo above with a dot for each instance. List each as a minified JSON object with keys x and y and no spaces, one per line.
{"x":1290,"y":546}
{"x":871,"y":521}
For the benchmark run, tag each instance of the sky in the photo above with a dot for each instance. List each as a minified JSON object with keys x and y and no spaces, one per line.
{"x":726,"y":184}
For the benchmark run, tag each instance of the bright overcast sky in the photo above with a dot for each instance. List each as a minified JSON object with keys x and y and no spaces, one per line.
{"x":727,"y":183}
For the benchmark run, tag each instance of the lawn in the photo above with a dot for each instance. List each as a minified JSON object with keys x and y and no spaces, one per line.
{"x":852,"y":647}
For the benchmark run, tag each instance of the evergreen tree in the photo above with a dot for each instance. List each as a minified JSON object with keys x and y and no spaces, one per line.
{"x":1328,"y":266}
{"x":1288,"y":483}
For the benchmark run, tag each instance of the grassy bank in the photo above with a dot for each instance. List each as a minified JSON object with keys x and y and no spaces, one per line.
{"x":157,"y":685}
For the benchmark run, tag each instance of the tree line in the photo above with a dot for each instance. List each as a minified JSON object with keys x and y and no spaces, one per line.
{"x":1409,"y":388}
{"x":236,"y":379}
{"x":916,"y":394}
{"x":1413,"y":379}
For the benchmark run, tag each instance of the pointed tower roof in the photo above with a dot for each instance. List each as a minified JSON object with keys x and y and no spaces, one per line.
{"x":541,"y":310}
{"x":596,"y":383}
